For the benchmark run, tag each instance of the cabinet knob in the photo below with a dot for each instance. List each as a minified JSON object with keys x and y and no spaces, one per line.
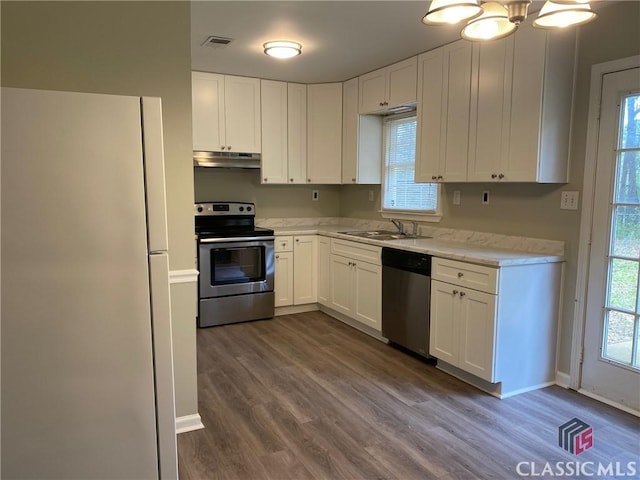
{"x":382,"y":104}
{"x":353,"y":180}
{"x":460,"y":274}
{"x":297,"y":239}
{"x":493,"y":175}
{"x":228,"y":148}
{"x":501,"y":176}
{"x":223,"y":147}
{"x":308,"y":180}
{"x":455,"y":292}
{"x":386,"y":103}
{"x":462,"y":294}
{"x":440,"y":177}
{"x":277,"y":256}
{"x":291,"y":180}
{"x":434,"y":177}
{"x":265,"y":180}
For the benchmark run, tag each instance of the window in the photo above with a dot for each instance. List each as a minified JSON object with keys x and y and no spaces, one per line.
{"x":400,"y":194}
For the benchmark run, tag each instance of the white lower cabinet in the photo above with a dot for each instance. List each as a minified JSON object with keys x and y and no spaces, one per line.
{"x":462,"y":328}
{"x":356,"y":282}
{"x":498,"y":325}
{"x":324,"y":270}
{"x":295,"y":270}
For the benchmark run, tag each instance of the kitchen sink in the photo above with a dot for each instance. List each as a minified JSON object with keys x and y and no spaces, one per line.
{"x":381,"y":235}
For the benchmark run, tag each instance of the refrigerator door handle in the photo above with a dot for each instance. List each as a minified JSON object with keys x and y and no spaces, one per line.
{"x":154,"y":177}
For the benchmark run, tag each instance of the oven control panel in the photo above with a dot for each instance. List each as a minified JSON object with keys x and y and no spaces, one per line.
{"x":224,"y":208}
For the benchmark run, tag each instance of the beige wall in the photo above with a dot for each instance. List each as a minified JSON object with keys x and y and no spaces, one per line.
{"x":129,"y":48}
{"x":282,"y":201}
{"x":529,"y":209}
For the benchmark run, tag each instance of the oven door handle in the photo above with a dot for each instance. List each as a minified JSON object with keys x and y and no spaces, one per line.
{"x":234,"y":239}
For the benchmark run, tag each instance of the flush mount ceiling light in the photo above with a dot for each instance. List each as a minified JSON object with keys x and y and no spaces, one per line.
{"x":496,"y":19}
{"x":282,"y":49}
{"x":492,"y":24}
{"x":561,"y":14}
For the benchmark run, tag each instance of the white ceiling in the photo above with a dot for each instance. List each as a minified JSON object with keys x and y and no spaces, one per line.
{"x":341,"y":39}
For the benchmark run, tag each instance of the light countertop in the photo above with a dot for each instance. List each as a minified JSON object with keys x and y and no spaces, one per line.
{"x":483,"y":255}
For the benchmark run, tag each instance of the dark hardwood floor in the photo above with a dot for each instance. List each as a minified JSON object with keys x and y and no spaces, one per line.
{"x":307,"y":397}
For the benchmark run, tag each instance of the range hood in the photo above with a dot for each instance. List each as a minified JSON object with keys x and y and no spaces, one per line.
{"x":226,"y":160}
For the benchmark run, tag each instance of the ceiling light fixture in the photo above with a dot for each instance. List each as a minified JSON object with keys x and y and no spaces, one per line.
{"x":282,"y":49}
{"x":492,"y":24}
{"x":451,"y":11}
{"x":496,"y":19}
{"x":561,"y":14}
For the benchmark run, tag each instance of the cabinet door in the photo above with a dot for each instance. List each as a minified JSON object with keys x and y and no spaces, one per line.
{"x":207,"y":92}
{"x":283,"y":279}
{"x":402,"y":79}
{"x":297,"y":132}
{"x":242,"y":114}
{"x":305,"y":275}
{"x":444,"y":341}
{"x":477,"y":333}
{"x":373,"y":91}
{"x":341,"y":284}
{"x":367,"y":302}
{"x":324,"y":271}
{"x":324,"y":133}
{"x":350,"y":120}
{"x":490,"y":107}
{"x":273,"y":98}
{"x":429,"y":115}
{"x":457,"y":100}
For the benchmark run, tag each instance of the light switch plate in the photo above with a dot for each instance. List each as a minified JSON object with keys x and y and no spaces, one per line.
{"x":315,"y":195}
{"x":569,"y":200}
{"x":485,"y":197}
{"x":456,"y":197}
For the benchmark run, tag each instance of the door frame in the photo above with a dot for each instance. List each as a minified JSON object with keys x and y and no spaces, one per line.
{"x":586,"y":220}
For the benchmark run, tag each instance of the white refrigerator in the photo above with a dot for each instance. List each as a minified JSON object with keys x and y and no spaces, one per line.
{"x":86,"y":356}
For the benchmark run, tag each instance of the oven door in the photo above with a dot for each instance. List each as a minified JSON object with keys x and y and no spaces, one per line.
{"x":235,"y":266}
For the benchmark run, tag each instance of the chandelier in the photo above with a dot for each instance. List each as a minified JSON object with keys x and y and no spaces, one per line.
{"x":492,"y":20}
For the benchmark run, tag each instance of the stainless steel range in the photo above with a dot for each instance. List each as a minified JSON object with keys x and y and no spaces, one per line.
{"x":236,"y":264}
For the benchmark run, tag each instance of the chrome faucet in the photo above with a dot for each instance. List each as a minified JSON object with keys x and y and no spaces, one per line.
{"x":399,"y":225}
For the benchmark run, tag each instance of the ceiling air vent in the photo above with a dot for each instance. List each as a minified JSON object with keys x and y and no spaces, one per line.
{"x":217,"y":42}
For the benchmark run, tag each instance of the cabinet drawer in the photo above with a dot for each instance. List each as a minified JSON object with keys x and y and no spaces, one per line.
{"x":478,"y":277}
{"x":283,"y":243}
{"x":356,"y":251}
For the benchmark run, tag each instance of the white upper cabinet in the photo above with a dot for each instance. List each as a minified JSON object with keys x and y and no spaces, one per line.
{"x":521,"y":107}
{"x":324,"y":133}
{"x":361,"y":140}
{"x":274,"y":162}
{"x":226,"y":113}
{"x":388,"y":87}
{"x":444,"y":92}
{"x":284,"y":132}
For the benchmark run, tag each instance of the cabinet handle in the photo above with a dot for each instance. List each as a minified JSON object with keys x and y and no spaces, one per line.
{"x":493,"y":175}
{"x":460,"y":274}
{"x":455,"y":292}
{"x":501,"y":176}
{"x":434,"y":177}
{"x":462,"y":294}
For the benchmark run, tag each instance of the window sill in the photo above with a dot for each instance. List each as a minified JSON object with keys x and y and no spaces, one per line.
{"x":411,"y":216}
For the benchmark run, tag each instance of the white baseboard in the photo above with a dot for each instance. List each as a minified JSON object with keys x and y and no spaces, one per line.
{"x":293,"y":309}
{"x":611,"y":403}
{"x":563,"y":379}
{"x":183,"y":276}
{"x":188,"y":423}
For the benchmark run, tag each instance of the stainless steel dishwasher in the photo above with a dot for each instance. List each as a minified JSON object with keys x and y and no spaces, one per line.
{"x":406,"y":293}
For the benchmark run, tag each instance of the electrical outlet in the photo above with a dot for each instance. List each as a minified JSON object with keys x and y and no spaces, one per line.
{"x":569,"y":200}
{"x":485,"y":197}
{"x":456,"y":197}
{"x":315,"y":195}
